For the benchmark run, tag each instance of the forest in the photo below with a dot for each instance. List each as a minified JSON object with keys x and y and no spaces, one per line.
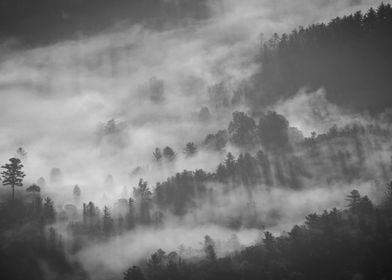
{"x":274,"y":166}
{"x":349,"y":57}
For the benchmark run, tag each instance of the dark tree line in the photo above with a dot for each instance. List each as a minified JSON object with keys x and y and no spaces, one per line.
{"x":352,"y":243}
{"x":289,"y":168}
{"x":271,"y":132}
{"x":31,"y":247}
{"x":349,"y":56}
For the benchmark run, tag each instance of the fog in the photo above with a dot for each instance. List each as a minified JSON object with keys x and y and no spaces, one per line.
{"x":53,"y":98}
{"x":57,"y":100}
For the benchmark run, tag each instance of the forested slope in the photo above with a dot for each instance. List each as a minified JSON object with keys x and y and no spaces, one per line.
{"x":349,"y":56}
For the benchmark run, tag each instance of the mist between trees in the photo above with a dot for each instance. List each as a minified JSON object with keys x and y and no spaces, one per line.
{"x":194,"y":152}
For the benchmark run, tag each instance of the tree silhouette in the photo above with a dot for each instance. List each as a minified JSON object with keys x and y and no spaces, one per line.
{"x":273,"y":131}
{"x":157,"y":154}
{"x":13,"y":174}
{"x":169,"y":154}
{"x":349,"y":56}
{"x":190,"y":149}
{"x":134,"y":273}
{"x":242,"y":129}
{"x":107,"y":222}
{"x":143,"y":195}
{"x":77,"y":193}
{"x":33,"y":189}
{"x":49,"y":213}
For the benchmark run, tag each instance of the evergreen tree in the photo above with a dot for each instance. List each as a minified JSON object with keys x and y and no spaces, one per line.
{"x":144,"y":198}
{"x":33,"y":189}
{"x":190,"y":149}
{"x":157,"y":154}
{"x":354,"y":200}
{"x":13,"y":175}
{"x":49,"y":213}
{"x":131,"y":214}
{"x":107,"y":222}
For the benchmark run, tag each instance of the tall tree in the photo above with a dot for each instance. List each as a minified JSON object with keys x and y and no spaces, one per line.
{"x":13,"y":174}
{"x":49,"y":213}
{"x":143,"y":196}
{"x":107,"y":222}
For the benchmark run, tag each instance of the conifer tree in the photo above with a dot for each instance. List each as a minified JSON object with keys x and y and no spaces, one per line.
{"x":13,"y":174}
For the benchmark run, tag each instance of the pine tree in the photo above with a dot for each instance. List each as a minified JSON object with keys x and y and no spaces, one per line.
{"x":13,"y":175}
{"x":131,"y":214}
{"x":107,"y":222}
{"x":354,"y":200}
{"x":190,"y":149}
{"x":49,"y":213}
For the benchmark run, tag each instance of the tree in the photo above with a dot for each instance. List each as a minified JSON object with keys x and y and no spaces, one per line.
{"x":242,"y":129}
{"x":134,"y":273}
{"x":265,"y":165}
{"x":354,"y":200}
{"x":107,"y":222}
{"x":33,"y":189}
{"x":131,"y":214}
{"x":169,"y":154}
{"x":273,"y":131}
{"x":221,"y":173}
{"x":190,"y":149}
{"x":230,"y":165}
{"x":209,"y":248}
{"x":157,"y":154}
{"x":143,"y":195}
{"x":77,"y":193}
{"x":155,"y":265}
{"x":49,"y":213}
{"x":13,"y":174}
{"x":216,"y":141}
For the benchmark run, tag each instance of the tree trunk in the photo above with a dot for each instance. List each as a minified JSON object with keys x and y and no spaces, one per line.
{"x":13,"y":192}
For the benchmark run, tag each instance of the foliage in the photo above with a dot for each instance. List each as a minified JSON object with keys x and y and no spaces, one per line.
{"x":349,"y":56}
{"x":13,"y":174}
{"x":337,"y":244}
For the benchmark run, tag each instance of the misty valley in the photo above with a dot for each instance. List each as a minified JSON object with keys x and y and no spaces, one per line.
{"x":208,"y":139}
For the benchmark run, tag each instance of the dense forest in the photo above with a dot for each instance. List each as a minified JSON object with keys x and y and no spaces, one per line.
{"x":353,"y":241}
{"x":240,"y":191}
{"x":350,"y":243}
{"x":349,"y":56}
